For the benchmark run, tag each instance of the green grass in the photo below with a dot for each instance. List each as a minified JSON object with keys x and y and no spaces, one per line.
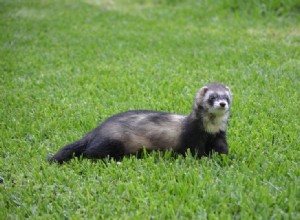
{"x":67,"y":65}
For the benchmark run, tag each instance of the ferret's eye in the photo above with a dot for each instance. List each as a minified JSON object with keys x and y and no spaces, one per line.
{"x":228,"y":100}
{"x":212,"y":98}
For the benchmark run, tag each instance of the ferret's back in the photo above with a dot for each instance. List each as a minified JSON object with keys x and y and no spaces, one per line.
{"x":143,"y":128}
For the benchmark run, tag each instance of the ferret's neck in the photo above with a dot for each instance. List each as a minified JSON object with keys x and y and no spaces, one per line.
{"x":210,"y":123}
{"x":214,"y":123}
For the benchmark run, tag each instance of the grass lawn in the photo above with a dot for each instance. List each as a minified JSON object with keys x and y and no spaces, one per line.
{"x":66,"y":65}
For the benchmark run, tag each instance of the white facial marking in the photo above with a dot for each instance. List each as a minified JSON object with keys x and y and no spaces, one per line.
{"x":207,"y":95}
{"x":220,"y":106}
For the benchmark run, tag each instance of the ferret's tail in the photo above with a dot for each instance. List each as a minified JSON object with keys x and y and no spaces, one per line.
{"x":69,"y":151}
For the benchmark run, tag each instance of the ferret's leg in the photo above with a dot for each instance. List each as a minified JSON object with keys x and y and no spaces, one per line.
{"x":104,"y":148}
{"x":219,"y":144}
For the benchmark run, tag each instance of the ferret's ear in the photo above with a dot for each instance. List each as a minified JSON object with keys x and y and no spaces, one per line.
{"x":203,"y":90}
{"x":230,"y":93}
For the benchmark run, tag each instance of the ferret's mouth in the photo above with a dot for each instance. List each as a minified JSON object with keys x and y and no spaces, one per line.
{"x":218,"y":111}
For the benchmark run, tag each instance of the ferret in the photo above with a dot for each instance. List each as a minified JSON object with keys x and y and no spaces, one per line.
{"x":203,"y":131}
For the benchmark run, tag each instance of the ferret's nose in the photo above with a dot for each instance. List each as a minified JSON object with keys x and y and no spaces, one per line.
{"x":222,"y":104}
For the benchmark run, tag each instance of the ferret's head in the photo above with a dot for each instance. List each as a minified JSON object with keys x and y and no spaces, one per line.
{"x":214,"y":98}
